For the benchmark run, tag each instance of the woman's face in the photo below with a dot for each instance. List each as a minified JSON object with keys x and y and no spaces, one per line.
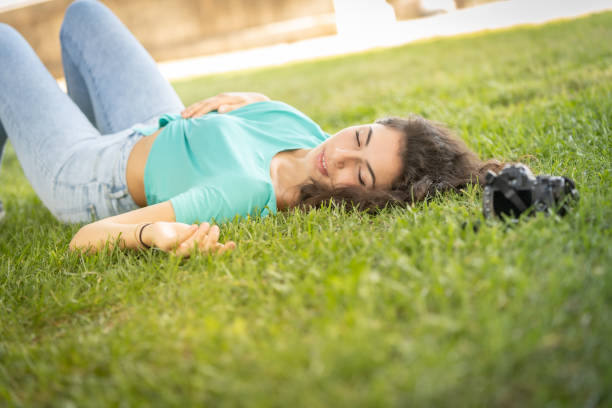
{"x":364,"y":155}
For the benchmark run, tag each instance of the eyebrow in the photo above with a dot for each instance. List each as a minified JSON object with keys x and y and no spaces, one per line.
{"x":369,"y":136}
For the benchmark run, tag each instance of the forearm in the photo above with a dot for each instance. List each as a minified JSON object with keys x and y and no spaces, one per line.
{"x":152,"y":226}
{"x":97,"y":235}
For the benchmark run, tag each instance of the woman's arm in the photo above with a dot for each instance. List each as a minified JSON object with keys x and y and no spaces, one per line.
{"x":223,"y":103}
{"x":152,"y":226}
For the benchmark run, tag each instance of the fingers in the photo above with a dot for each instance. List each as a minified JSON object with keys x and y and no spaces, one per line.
{"x":205,"y":239}
{"x":199,"y":235}
{"x":191,"y":109}
{"x":211,"y":104}
{"x":185,"y":247}
{"x":228,"y":246}
{"x":229,"y":107}
{"x":198,"y":108}
{"x":221,"y":248}
{"x":209,"y":241}
{"x":186,"y":234}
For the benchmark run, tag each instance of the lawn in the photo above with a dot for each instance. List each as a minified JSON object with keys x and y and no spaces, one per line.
{"x":413,"y":307}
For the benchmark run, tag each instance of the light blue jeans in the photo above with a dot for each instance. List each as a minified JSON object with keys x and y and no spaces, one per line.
{"x":74,"y":148}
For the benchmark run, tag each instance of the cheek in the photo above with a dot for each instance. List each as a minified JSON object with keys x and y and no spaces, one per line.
{"x":344,"y":178}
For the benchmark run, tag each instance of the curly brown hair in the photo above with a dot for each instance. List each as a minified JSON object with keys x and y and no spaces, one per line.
{"x":433,"y":158}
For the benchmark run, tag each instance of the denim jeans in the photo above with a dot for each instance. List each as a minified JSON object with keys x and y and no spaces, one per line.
{"x":74,"y":148}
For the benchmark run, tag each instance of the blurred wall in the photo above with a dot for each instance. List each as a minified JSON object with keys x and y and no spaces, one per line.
{"x":407,"y":9}
{"x":171,"y":29}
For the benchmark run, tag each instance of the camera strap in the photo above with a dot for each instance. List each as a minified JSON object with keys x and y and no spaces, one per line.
{"x":502,"y":185}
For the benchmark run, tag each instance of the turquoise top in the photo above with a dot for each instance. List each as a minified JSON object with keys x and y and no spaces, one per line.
{"x":217,"y":166}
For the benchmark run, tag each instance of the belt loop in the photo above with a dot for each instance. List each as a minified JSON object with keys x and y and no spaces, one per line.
{"x":118,"y":194}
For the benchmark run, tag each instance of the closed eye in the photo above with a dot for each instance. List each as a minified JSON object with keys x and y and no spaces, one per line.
{"x":359,"y":178}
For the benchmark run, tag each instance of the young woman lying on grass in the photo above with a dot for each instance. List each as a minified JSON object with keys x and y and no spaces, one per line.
{"x":122,"y":148}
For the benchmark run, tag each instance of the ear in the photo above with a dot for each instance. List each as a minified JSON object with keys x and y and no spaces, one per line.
{"x":420,"y":189}
{"x":493,"y":165}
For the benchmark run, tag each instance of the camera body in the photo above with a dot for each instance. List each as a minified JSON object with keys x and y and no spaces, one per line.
{"x":516,"y":190}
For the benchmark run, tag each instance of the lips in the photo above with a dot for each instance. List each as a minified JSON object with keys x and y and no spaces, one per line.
{"x":322,"y":163}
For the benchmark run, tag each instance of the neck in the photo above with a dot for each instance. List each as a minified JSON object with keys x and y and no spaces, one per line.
{"x":288,"y":171}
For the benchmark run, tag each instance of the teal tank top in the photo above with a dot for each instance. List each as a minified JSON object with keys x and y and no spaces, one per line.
{"x":217,"y":166}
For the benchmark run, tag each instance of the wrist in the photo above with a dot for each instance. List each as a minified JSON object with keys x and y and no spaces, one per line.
{"x":143,"y":235}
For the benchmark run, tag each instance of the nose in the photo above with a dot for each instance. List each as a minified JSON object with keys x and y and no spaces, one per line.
{"x":344,"y":156}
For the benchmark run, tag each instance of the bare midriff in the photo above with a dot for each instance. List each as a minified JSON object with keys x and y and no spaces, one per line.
{"x":136,"y":167}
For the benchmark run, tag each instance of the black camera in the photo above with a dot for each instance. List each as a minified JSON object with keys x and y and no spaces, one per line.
{"x":515,"y":190}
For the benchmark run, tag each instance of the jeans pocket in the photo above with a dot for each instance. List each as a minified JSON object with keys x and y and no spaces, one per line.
{"x":74,"y":203}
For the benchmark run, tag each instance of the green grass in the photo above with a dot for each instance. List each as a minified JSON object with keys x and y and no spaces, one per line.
{"x":326,"y":309}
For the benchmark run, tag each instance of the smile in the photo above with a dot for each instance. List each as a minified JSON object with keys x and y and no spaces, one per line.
{"x":322,"y":164}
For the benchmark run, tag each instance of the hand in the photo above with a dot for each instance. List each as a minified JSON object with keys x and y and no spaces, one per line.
{"x":223,"y":103}
{"x":180,"y":239}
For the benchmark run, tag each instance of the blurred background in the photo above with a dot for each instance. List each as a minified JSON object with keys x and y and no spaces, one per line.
{"x":176,"y":30}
